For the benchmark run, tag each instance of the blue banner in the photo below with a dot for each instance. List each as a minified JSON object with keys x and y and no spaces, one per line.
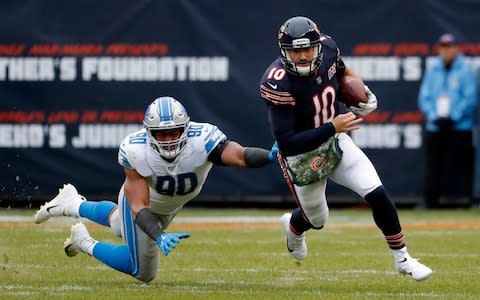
{"x":75,"y":78}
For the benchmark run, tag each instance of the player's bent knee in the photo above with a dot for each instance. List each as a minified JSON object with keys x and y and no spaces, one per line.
{"x":115,"y":223}
{"x":367,"y":190}
{"x":146,"y":277}
{"x":319,"y":220}
{"x":318,"y":216}
{"x":318,"y":223}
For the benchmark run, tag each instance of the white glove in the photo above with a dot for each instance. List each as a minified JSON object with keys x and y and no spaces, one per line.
{"x":365,"y":108}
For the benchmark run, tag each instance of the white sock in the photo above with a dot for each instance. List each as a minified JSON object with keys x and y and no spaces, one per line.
{"x":75,"y":209}
{"x":87,"y":246}
{"x":398,"y":253}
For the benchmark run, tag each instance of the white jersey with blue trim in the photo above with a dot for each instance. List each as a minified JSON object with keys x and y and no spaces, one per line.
{"x":172,"y":184}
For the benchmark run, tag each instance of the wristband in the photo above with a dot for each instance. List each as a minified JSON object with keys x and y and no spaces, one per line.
{"x":256,"y":157}
{"x":148,"y":222}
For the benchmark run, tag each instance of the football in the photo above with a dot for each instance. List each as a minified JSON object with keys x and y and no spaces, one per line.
{"x":352,"y":91}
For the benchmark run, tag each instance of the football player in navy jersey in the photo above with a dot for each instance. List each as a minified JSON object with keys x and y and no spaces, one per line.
{"x":301,"y":92}
{"x":166,"y":164}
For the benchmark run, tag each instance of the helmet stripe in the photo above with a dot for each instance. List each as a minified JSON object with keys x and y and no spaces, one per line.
{"x":165,"y":109}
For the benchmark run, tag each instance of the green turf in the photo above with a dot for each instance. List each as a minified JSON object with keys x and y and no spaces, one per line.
{"x":347,"y":260}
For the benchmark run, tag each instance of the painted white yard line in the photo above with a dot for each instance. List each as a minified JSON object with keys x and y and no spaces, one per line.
{"x":189,"y":220}
{"x":269,"y":221}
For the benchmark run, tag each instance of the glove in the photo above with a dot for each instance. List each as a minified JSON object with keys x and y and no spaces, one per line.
{"x":444,"y":124}
{"x":272,"y":155}
{"x":168,"y":241}
{"x":365,"y":108}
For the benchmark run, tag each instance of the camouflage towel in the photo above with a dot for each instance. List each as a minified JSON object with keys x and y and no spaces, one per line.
{"x":315,"y":165}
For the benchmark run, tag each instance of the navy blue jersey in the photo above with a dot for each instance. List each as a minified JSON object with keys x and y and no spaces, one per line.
{"x":301,"y":108}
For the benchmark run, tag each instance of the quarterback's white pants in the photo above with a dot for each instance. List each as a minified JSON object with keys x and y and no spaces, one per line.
{"x":144,"y":252}
{"x":355,"y":172}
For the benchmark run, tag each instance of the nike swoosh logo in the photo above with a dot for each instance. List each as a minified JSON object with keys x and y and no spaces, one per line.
{"x":404,"y":260}
{"x":48,"y":209}
{"x":273,"y":86}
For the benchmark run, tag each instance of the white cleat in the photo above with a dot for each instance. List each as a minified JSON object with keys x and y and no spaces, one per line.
{"x":66,"y":203}
{"x":79,"y":240}
{"x":407,"y":265}
{"x":296,"y":244}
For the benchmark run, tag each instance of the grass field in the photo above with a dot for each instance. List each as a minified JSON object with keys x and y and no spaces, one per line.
{"x":241,"y":254}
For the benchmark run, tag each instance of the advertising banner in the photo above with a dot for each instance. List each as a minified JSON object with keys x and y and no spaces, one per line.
{"x":75,"y":79}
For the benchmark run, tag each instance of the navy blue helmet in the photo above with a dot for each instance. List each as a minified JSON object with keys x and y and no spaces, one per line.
{"x":296,"y":33}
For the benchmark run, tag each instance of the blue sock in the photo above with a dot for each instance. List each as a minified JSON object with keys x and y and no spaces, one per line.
{"x":114,"y":256}
{"x":98,"y":212}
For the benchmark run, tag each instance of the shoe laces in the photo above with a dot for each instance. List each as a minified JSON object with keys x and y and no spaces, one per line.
{"x":415,"y":262}
{"x":298,"y":240}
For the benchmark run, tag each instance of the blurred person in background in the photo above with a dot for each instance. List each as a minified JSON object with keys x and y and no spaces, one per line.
{"x":166,"y":165}
{"x":448,"y":101}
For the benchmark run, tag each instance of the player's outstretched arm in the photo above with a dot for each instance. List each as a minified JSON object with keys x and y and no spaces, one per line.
{"x":236,"y":155}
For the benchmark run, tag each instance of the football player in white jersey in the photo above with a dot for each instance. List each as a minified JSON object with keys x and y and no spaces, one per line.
{"x":166,"y":164}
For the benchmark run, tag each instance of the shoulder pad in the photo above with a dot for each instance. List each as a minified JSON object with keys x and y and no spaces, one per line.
{"x":275,"y":85}
{"x":327,"y":41}
{"x":204,"y":136}
{"x":132,"y":149}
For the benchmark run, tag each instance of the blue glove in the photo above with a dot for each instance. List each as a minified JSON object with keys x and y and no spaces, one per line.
{"x":168,"y":241}
{"x":272,"y":155}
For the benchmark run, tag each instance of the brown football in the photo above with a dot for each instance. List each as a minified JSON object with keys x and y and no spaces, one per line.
{"x":352,"y":91}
